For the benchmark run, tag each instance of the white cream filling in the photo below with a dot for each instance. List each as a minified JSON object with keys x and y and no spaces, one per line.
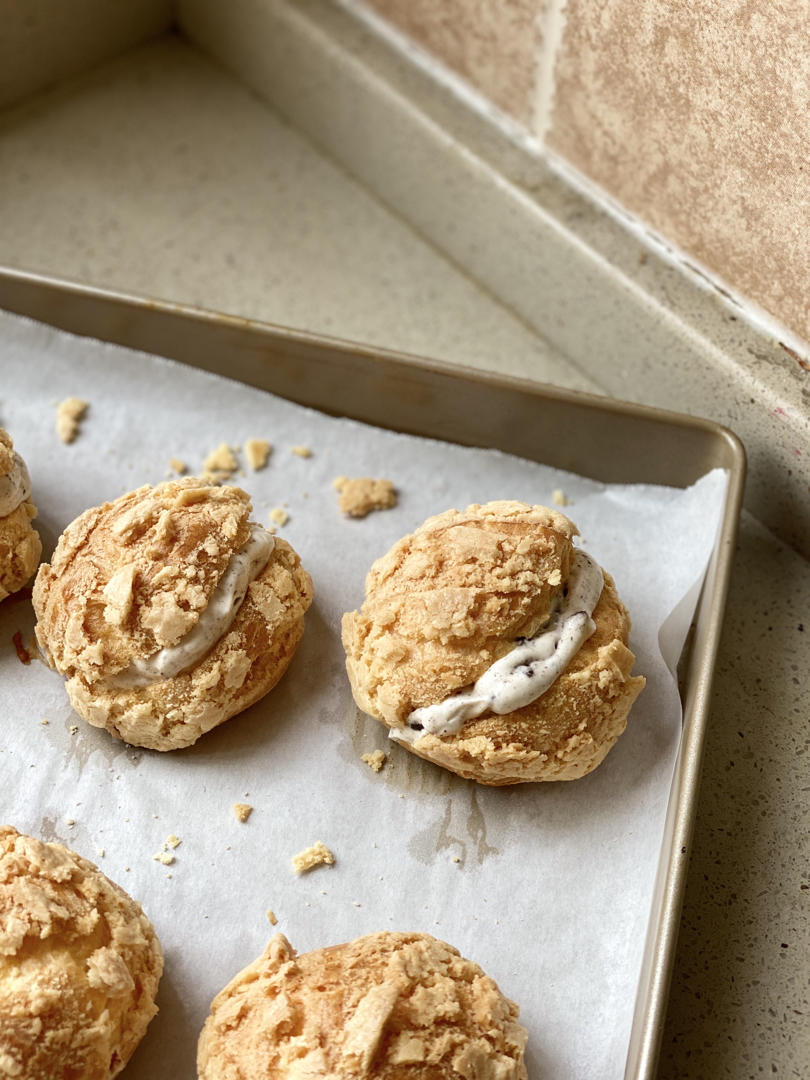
{"x":526,"y":672}
{"x":15,"y":487}
{"x":245,"y":566}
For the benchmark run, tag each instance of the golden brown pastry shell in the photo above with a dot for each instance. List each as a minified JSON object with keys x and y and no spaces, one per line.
{"x":20,"y":548}
{"x":450,"y":600}
{"x":169,"y":546}
{"x":79,"y":965}
{"x":387,"y":1006}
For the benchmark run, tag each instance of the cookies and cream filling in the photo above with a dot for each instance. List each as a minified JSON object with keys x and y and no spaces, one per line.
{"x":15,"y":487}
{"x":528,"y":670}
{"x":245,"y":566}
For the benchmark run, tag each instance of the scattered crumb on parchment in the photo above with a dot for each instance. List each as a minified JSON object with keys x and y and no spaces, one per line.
{"x":271,"y":917}
{"x":360,"y":495}
{"x":74,"y":728}
{"x":44,"y":720}
{"x":301,"y":451}
{"x":165,"y":856}
{"x":222,"y":461}
{"x":242,"y":810}
{"x":560,"y":498}
{"x":279,"y":516}
{"x":375,"y":760}
{"x":68,"y":414}
{"x":177,"y":465}
{"x":317,"y":855}
{"x":100,"y":852}
{"x":257,"y":451}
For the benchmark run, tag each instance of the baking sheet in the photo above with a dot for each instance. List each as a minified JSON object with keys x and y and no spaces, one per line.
{"x":551,"y":890}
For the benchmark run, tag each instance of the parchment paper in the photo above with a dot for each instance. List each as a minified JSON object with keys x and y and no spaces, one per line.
{"x":551,"y":889}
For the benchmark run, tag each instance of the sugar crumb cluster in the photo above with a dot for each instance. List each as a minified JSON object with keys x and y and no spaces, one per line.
{"x":360,"y":495}
{"x":316,"y":855}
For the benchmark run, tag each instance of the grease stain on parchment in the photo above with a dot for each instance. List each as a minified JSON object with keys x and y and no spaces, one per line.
{"x":460,"y":828}
{"x":87,"y":740}
{"x":55,"y":830}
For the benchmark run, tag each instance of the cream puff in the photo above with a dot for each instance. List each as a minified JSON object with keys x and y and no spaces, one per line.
{"x":169,"y":611}
{"x":20,"y":546}
{"x":79,"y":965}
{"x":384,"y":1007}
{"x":490,"y":645}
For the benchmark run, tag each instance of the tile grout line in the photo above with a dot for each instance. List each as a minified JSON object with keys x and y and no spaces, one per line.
{"x":551,"y":22}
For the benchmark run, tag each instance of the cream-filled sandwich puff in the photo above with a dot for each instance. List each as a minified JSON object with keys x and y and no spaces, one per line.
{"x":492,"y":646}
{"x":386,"y":1006}
{"x":79,"y":965}
{"x":169,"y":611}
{"x":20,"y":546}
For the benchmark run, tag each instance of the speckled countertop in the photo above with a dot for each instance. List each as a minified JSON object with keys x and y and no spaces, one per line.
{"x":163,"y":176}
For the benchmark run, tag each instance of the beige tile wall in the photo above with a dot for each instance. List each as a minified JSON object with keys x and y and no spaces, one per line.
{"x":42,"y":41}
{"x":491,"y":43}
{"x":693,"y":114}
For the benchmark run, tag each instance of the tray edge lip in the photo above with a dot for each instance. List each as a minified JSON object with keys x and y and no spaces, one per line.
{"x":371,"y":352}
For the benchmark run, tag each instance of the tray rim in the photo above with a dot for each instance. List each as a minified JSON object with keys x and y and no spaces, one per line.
{"x":670,"y":884}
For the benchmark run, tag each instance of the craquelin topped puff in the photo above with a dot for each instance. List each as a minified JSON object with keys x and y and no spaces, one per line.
{"x":79,"y":965}
{"x":169,"y":611}
{"x":388,"y":1006}
{"x":20,"y":546}
{"x":492,"y":646}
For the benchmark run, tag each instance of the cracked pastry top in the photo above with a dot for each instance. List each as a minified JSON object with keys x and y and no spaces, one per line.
{"x":169,"y":611}
{"x":384,"y":1007}
{"x":489,"y":644}
{"x":20,"y":546}
{"x":79,"y":965}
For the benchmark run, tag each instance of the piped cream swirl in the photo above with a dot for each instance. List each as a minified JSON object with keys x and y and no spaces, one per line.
{"x":15,"y":487}
{"x":528,"y":670}
{"x":245,"y":566}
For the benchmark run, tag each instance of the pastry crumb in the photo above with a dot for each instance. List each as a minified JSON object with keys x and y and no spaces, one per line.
{"x":257,"y":451}
{"x":100,"y":852}
{"x":221,"y":462}
{"x":177,"y":465}
{"x":68,"y":414}
{"x":456,"y":859}
{"x":271,"y":917}
{"x":317,"y":855}
{"x":301,"y":451}
{"x":375,"y":760}
{"x":359,"y":495}
{"x":23,"y":654}
{"x":164,"y":857}
{"x":173,"y":841}
{"x":560,"y":498}
{"x":242,"y":810}
{"x":279,"y":516}
{"x":44,"y":721}
{"x":70,"y":822}
{"x":74,"y":728}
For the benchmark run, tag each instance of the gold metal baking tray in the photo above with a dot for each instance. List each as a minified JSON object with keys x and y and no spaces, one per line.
{"x":608,"y":440}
